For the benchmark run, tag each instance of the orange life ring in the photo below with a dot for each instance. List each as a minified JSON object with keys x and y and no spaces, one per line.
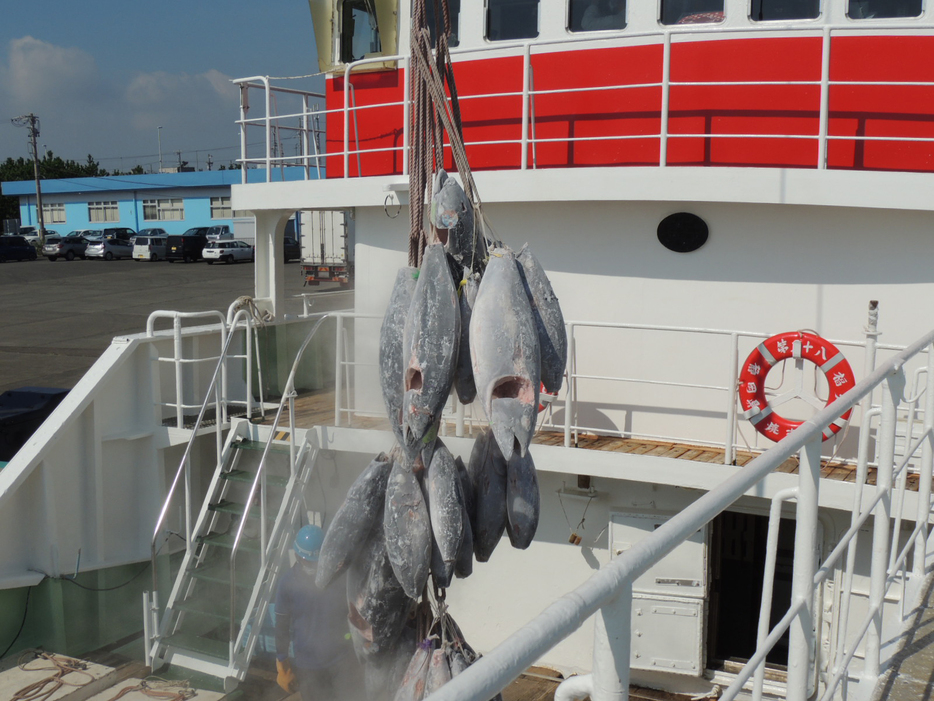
{"x":545,"y":398}
{"x":792,"y":344}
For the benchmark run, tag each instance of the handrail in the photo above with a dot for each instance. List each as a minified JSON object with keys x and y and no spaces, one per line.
{"x":183,"y":465}
{"x":528,"y":50}
{"x":288,"y":394}
{"x":490,"y":674}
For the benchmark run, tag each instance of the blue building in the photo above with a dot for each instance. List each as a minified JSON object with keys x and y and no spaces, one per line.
{"x":171,"y":201}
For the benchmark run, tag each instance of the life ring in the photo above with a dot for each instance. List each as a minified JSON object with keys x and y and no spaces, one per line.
{"x":792,"y":344}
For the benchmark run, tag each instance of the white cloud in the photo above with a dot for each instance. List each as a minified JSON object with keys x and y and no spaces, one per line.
{"x":85,"y":110}
{"x":38,"y":71}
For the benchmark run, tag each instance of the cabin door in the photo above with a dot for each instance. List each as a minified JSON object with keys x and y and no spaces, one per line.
{"x":668,"y":600}
{"x":737,"y":563}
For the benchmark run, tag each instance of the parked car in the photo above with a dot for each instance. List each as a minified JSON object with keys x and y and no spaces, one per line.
{"x":149,"y":244}
{"x":70,"y":246}
{"x":227,"y":251}
{"x":293,"y":249}
{"x":119,"y":232}
{"x":109,"y":248}
{"x":31,"y":233}
{"x":188,"y":246}
{"x":219,"y":233}
{"x":16,"y":248}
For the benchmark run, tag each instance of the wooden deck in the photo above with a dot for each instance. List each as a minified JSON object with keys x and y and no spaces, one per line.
{"x":317,"y":409}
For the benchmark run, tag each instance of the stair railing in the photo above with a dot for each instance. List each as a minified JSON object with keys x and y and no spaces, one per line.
{"x":184,"y":467}
{"x":259,"y":482}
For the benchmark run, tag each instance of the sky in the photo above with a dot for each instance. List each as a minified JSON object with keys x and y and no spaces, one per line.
{"x":102,"y":76}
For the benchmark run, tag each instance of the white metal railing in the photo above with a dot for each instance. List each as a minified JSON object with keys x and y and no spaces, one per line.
{"x":608,"y":593}
{"x":584,"y":385}
{"x":526,"y":94}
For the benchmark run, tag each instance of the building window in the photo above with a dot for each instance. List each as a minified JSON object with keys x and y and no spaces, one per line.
{"x":359,"y":30}
{"x":53,"y":213}
{"x":164,"y":210}
{"x":876,"y":9}
{"x":778,"y":10}
{"x":220,"y":208}
{"x":511,"y":19}
{"x":103,"y":211}
{"x":594,"y":15}
{"x":691,"y":11}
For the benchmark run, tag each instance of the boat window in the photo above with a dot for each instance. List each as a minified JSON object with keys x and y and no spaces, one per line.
{"x":777,"y":10}
{"x":359,"y":31}
{"x":511,"y":19}
{"x":691,"y":11}
{"x":594,"y":15}
{"x":454,"y":7}
{"x":880,"y":9}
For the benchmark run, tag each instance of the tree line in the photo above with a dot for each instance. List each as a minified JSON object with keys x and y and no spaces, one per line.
{"x":50,"y":167}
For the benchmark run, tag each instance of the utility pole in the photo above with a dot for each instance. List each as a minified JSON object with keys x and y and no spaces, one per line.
{"x":32,"y":121}
{"x":159,"y":132}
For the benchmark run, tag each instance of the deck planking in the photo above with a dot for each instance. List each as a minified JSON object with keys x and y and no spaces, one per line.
{"x":316,"y":408}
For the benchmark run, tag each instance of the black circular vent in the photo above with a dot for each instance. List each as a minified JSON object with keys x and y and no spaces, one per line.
{"x":682,"y":232}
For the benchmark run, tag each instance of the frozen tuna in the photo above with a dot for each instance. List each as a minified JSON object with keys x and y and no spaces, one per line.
{"x":407,"y":530}
{"x":361,"y":510}
{"x":549,"y":321}
{"x":416,"y":674}
{"x":377,"y":603}
{"x":432,"y":330}
{"x":439,"y":672}
{"x":463,"y":566}
{"x":463,"y":377}
{"x":505,"y":354}
{"x":522,"y":500}
{"x":391,"y":360}
{"x":487,"y":470}
{"x":452,"y":214}
{"x":445,"y":509}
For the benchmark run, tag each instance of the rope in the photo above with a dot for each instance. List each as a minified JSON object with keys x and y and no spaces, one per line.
{"x":159,"y":689}
{"x":43,"y":689}
{"x":433,"y":115}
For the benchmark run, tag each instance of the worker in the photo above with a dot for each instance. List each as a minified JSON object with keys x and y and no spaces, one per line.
{"x":314,"y":622}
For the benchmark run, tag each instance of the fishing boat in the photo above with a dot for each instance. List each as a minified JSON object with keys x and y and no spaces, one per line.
{"x":732,"y":204}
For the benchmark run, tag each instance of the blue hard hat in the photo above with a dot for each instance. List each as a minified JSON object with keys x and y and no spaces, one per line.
{"x":308,"y":542}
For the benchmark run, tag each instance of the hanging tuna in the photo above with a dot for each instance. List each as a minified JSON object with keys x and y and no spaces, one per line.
{"x":452,"y":215}
{"x":432,"y":330}
{"x":505,"y":354}
{"x":549,"y":321}
{"x":522,"y":500}
{"x":407,"y":530}
{"x":391,"y":361}
{"x":361,"y":511}
{"x":463,"y":377}
{"x":378,"y":605}
{"x":487,"y":472}
{"x":445,"y":509}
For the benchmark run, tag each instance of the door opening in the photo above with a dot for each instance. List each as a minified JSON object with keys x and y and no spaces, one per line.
{"x":737,"y":563}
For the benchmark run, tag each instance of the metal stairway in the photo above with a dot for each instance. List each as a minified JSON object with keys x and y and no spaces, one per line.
{"x":237,"y":549}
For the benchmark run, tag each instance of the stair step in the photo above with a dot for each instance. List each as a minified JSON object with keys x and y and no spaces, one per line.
{"x":232,"y":507}
{"x":261,"y":446}
{"x":215,"y":606}
{"x":218,"y":649}
{"x":225,"y":540}
{"x":247,"y":476}
{"x":220,"y":572}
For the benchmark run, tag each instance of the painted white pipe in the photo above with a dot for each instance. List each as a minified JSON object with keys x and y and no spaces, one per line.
{"x":575,"y":688}
{"x":612,"y":648}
